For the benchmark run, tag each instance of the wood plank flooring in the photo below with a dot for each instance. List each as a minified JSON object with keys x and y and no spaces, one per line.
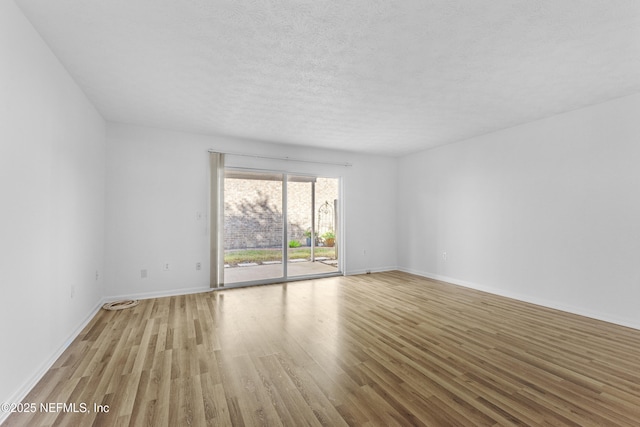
{"x":381,"y":349}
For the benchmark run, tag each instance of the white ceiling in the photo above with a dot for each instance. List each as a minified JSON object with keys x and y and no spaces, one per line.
{"x":388,"y":77}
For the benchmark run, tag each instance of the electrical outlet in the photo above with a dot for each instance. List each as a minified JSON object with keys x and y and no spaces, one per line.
{"x":165,"y":266}
{"x":97,"y":274}
{"x":143,"y":273}
{"x":198,"y":266}
{"x":444,"y":256}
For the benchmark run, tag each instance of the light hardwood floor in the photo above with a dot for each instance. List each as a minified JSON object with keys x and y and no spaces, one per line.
{"x":381,"y":349}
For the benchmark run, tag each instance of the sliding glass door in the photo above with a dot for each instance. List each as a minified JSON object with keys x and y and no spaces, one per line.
{"x":312,"y":218}
{"x":279,"y":226}
{"x":253,"y":226}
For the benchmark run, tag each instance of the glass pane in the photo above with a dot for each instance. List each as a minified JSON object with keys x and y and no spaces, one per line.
{"x":312,"y":212}
{"x":253,"y":226}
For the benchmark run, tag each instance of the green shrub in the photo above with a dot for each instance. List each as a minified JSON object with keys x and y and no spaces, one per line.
{"x":294,"y":244}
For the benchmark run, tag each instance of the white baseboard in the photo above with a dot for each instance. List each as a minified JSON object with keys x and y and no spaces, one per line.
{"x":605,"y":317}
{"x":28,"y":385}
{"x":370,"y":270}
{"x":159,"y":294}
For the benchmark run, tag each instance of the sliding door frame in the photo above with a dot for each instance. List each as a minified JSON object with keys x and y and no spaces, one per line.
{"x":285,"y":231}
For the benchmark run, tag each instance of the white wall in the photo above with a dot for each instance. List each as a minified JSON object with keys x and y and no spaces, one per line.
{"x":547,"y":212}
{"x":52,"y":160}
{"x":157,"y":180}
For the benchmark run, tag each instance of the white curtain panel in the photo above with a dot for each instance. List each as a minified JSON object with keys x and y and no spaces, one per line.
{"x":216,"y":216}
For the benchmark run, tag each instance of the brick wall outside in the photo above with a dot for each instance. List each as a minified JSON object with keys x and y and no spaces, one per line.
{"x":253,"y":217}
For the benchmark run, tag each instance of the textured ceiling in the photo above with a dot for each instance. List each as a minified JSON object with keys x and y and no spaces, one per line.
{"x":389,"y":77}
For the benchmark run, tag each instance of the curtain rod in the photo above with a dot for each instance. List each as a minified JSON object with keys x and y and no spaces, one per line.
{"x":290,"y":159}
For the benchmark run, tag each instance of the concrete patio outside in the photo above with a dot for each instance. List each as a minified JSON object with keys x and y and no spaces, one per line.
{"x":274,"y":271}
